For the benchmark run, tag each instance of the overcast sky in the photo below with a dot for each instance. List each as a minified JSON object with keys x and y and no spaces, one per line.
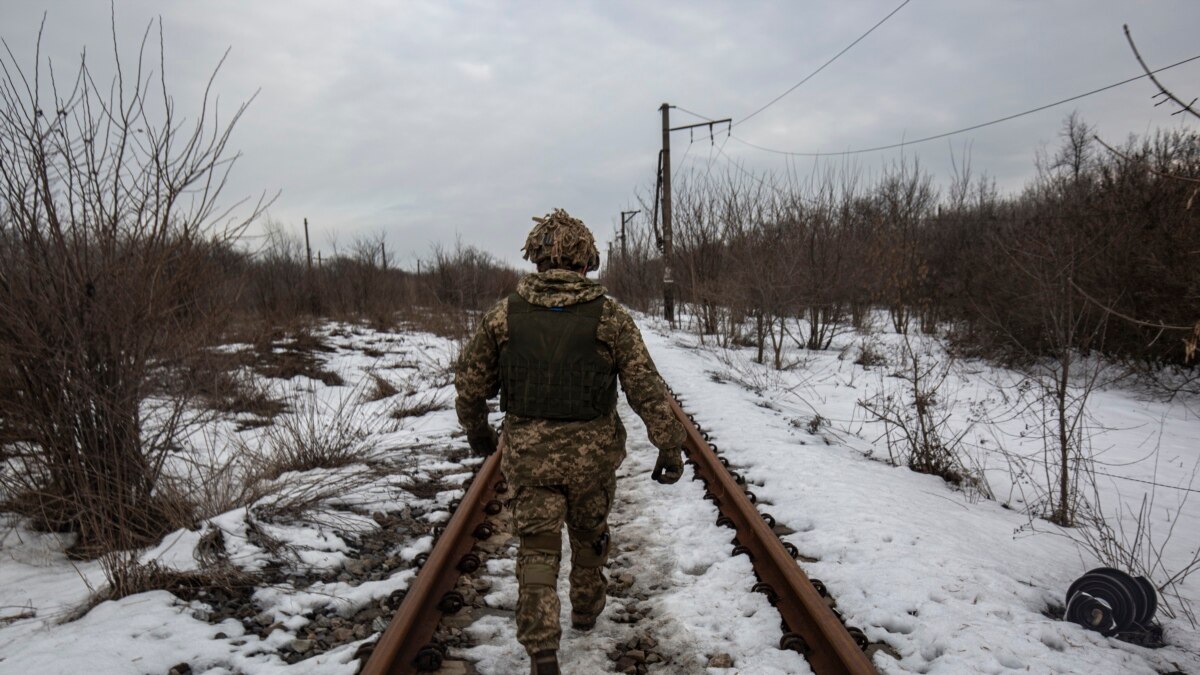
{"x":431,"y":120}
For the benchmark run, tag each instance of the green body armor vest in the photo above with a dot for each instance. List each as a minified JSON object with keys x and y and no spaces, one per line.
{"x":551,"y":367}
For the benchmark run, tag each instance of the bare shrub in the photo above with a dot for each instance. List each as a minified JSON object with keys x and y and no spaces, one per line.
{"x":1139,"y":548}
{"x":870,"y":354}
{"x":317,"y":434}
{"x":917,"y":424}
{"x":111,"y":254}
{"x":215,"y":475}
{"x":464,"y":279}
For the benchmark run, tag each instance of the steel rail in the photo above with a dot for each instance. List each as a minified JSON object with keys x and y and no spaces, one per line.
{"x":828,"y":645}
{"x":405,"y":646}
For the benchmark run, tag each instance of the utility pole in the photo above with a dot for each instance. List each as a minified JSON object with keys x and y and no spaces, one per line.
{"x":626,"y":216}
{"x":307,"y":247}
{"x":668,"y":247}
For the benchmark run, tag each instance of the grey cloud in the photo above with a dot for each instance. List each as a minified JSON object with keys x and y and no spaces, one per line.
{"x":431,"y":120}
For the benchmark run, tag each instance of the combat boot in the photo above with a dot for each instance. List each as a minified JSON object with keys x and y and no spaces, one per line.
{"x":544,"y":663}
{"x":582,"y":623}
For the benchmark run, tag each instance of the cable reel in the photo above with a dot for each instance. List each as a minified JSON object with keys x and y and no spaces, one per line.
{"x":1110,"y":601}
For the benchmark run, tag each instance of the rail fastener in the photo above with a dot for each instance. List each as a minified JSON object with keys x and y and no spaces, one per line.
{"x":405,"y":646}
{"x":812,"y":627}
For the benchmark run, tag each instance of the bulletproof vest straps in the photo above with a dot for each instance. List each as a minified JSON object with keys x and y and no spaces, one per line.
{"x":551,"y":367}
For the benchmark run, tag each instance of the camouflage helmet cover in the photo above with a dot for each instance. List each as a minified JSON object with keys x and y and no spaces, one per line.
{"x":562,"y":241}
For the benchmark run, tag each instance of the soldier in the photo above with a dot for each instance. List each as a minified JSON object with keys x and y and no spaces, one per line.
{"x":554,"y":351}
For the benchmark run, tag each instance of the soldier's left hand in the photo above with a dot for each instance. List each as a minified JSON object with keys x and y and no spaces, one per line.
{"x":483,"y":445}
{"x":669,"y":467}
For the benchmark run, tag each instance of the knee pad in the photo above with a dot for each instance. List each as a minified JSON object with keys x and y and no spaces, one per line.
{"x":538,"y":559}
{"x":593,"y":549}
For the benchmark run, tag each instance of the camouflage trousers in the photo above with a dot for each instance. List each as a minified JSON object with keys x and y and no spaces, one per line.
{"x":538,"y":516}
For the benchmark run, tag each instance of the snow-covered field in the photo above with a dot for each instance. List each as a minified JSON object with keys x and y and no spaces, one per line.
{"x":951,"y":581}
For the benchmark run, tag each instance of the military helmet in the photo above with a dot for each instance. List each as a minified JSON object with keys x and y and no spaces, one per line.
{"x":562,"y":241}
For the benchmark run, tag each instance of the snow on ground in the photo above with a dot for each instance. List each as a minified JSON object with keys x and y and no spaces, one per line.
{"x":697,"y":597}
{"x":412,"y":474}
{"x":953,"y":582}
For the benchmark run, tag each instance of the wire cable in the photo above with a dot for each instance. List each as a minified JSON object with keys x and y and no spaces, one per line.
{"x":823,"y":66}
{"x":973,"y":127}
{"x":694,"y":114}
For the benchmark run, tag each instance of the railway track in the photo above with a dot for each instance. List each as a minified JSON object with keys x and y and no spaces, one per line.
{"x":810,"y":625}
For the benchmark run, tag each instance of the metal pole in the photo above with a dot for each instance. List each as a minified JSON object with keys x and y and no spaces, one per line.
{"x":624,"y":251}
{"x":626,"y":216}
{"x":668,"y":248}
{"x":307,"y":247}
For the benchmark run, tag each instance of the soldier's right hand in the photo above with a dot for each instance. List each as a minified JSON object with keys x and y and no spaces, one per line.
{"x":483,"y":445}
{"x":669,"y":467}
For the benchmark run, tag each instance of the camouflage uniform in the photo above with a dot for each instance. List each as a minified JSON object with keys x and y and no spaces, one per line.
{"x":563,"y":470}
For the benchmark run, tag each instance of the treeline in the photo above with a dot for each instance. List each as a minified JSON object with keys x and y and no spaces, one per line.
{"x":1100,"y":252}
{"x":446,"y":292}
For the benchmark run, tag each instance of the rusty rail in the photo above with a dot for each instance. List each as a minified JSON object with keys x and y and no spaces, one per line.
{"x":822,"y":638}
{"x":811,"y":626}
{"x":405,"y":647}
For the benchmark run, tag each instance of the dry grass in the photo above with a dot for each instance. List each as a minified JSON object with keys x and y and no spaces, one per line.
{"x":416,"y":406}
{"x":317,"y":434}
{"x":381,"y":388}
{"x":126,"y":575}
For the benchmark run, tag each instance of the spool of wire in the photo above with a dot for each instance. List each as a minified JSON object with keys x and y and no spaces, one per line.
{"x":1110,"y":601}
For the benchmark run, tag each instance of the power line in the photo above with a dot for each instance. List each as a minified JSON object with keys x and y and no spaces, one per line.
{"x":794,"y":194}
{"x":747,"y":173}
{"x":1026,"y":458}
{"x":823,"y":66}
{"x":965,"y":129}
{"x":706,"y":118}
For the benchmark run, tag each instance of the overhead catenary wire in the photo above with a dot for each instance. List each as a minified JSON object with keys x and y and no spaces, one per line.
{"x":706,"y":118}
{"x":973,"y":127}
{"x":813,"y":74}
